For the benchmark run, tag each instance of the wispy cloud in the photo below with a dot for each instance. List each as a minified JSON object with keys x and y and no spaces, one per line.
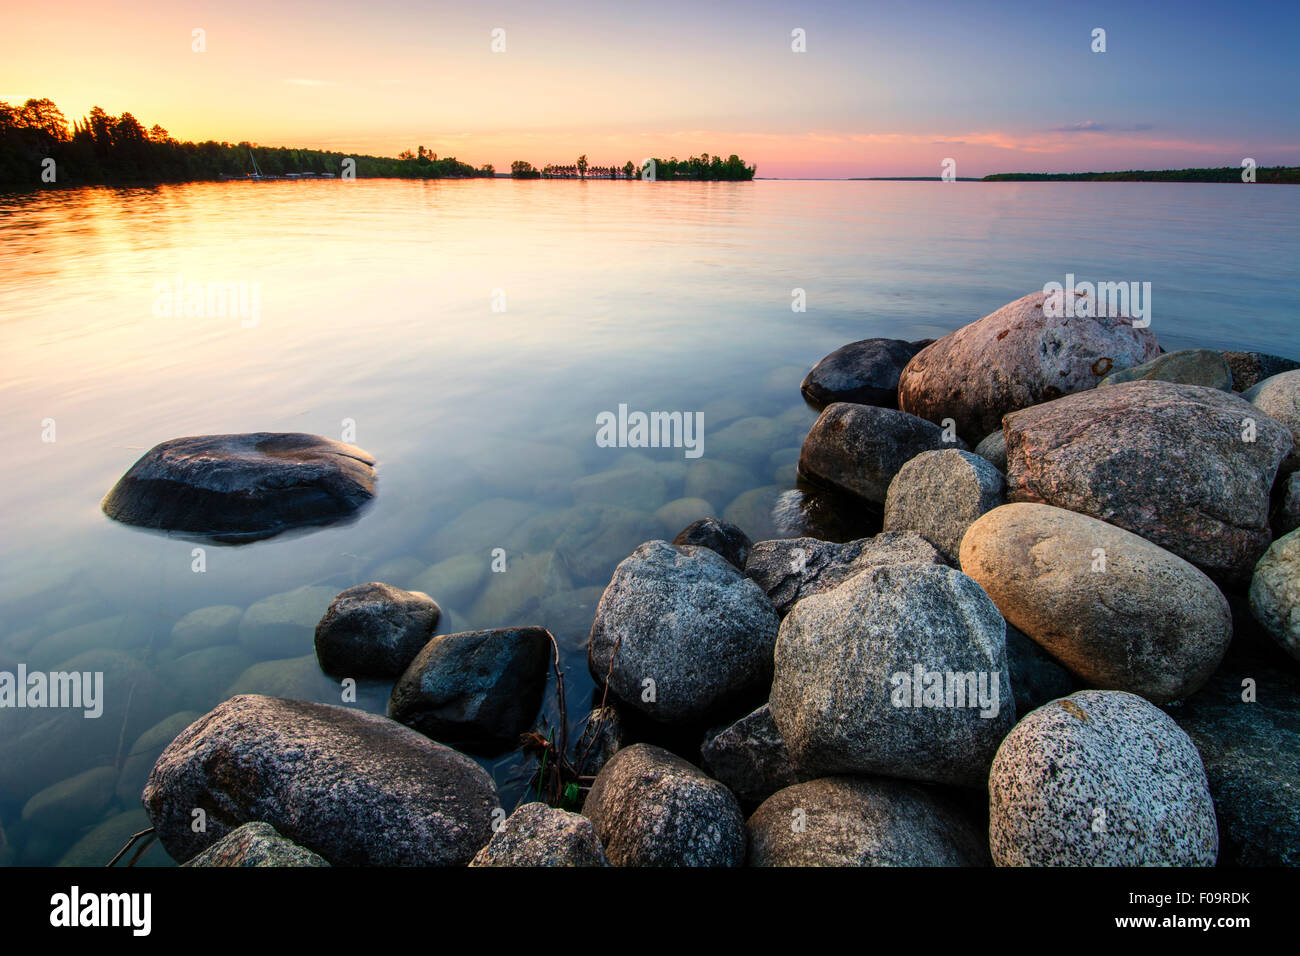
{"x":1092,"y":126}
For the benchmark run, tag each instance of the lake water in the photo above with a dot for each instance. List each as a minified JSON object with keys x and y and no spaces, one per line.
{"x":470,"y":333}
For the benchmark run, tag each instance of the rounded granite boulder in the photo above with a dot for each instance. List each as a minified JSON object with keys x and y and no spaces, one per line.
{"x":243,"y":487}
{"x":374,"y":630}
{"x":939,"y":494}
{"x":1275,"y":592}
{"x":538,"y":835}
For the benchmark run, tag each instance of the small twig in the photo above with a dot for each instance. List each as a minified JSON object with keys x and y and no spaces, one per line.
{"x":129,"y":843}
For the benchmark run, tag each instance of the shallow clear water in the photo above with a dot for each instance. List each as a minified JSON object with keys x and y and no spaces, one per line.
{"x":380,"y":305}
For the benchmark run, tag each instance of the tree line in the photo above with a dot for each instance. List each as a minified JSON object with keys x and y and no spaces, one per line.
{"x":702,"y":168}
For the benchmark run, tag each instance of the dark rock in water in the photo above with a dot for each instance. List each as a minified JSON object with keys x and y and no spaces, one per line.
{"x":864,"y":372}
{"x":1251,"y":368}
{"x":256,"y":844}
{"x":720,"y":536}
{"x":374,"y":630}
{"x":859,"y":448}
{"x":939,"y":494}
{"x":1016,"y":357}
{"x":538,"y":835}
{"x":1179,"y":465}
{"x":602,"y":736}
{"x":814,"y":511}
{"x":651,"y":808}
{"x":243,"y":487}
{"x":749,"y":757}
{"x":1100,"y":778}
{"x":790,"y":569}
{"x":1036,"y":679}
{"x":354,"y":787}
{"x":476,"y":689}
{"x":863,"y":821}
{"x":1187,"y":367}
{"x":1251,"y":750}
{"x":688,"y":635}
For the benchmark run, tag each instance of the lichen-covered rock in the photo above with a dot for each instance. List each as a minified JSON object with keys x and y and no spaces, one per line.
{"x":1180,"y":465}
{"x":749,"y":757}
{"x":862,"y":821}
{"x":686,"y":632}
{"x":354,"y":787}
{"x":1188,"y":367}
{"x":1251,"y":368}
{"x":256,"y":845}
{"x":1278,"y":397}
{"x":859,"y":448}
{"x":1100,"y":778}
{"x":720,"y":536}
{"x":538,"y":835}
{"x":939,"y":494}
{"x":1016,"y":357}
{"x":864,"y":372}
{"x":1118,"y":611}
{"x":475,"y":689}
{"x":900,"y":671}
{"x":243,"y":487}
{"x":1275,"y":592}
{"x":651,"y":808}
{"x":789,"y":569}
{"x":374,"y":630}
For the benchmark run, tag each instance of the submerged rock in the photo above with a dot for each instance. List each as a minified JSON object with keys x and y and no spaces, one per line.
{"x":1187,"y":367}
{"x":256,"y":844}
{"x":374,"y":630}
{"x":862,"y":821}
{"x":1275,"y":593}
{"x":243,"y":487}
{"x":749,"y":757}
{"x":720,"y":536}
{"x":354,"y":787}
{"x":538,"y":835}
{"x":651,"y":808}
{"x":1180,"y":465}
{"x":864,"y":372}
{"x":939,"y":494}
{"x":73,"y":803}
{"x":1100,"y":778}
{"x":476,"y":689}
{"x":282,"y":625}
{"x":206,"y":627}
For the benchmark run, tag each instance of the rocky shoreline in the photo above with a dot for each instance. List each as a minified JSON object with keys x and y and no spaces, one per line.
{"x":1076,"y":644}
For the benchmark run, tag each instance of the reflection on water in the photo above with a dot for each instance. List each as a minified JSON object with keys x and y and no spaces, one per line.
{"x":468,"y":334}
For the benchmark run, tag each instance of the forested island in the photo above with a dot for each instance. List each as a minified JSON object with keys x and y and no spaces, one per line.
{"x":1222,"y":174}
{"x":38,"y":147}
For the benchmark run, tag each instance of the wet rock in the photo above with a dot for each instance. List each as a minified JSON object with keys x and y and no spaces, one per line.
{"x":1278,"y":397}
{"x":478,"y":689}
{"x":651,"y":808}
{"x":687,"y":621}
{"x":993,"y":448}
{"x":1016,"y":357}
{"x":720,"y":536}
{"x":73,"y":803}
{"x":1275,"y":593}
{"x":749,"y":757}
{"x":282,"y":625}
{"x":374,"y":630}
{"x":939,"y":494}
{"x":1250,"y":368}
{"x":206,"y":627}
{"x":859,"y":449}
{"x":256,"y":844}
{"x":601,"y":738}
{"x":1187,"y":367}
{"x":864,"y":372}
{"x":1100,"y":778}
{"x":243,"y":487}
{"x":144,"y":754}
{"x":789,"y":569}
{"x":1165,"y":461}
{"x":682,"y":512}
{"x":862,"y":821}
{"x":538,"y":835}
{"x":1118,"y":611}
{"x":899,"y":671}
{"x":356,"y":788}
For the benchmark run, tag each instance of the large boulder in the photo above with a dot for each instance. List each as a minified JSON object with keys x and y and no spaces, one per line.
{"x":243,"y":487}
{"x":1278,"y":397}
{"x":651,"y":808}
{"x":1024,"y":353}
{"x":356,"y":788}
{"x":256,"y":845}
{"x":1100,"y":778}
{"x":790,"y":569}
{"x":1118,"y":611}
{"x":374,"y":630}
{"x":538,"y":835}
{"x":859,"y":448}
{"x":476,"y":689}
{"x":939,"y":494}
{"x":864,"y":372}
{"x":862,"y":821}
{"x":1275,"y":593}
{"x":1188,"y":367}
{"x":1180,"y":465}
{"x":687,"y":634}
{"x":900,"y":671}
{"x":749,"y":757}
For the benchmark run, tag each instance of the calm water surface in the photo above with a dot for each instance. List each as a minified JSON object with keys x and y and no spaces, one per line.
{"x":381,"y":310}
